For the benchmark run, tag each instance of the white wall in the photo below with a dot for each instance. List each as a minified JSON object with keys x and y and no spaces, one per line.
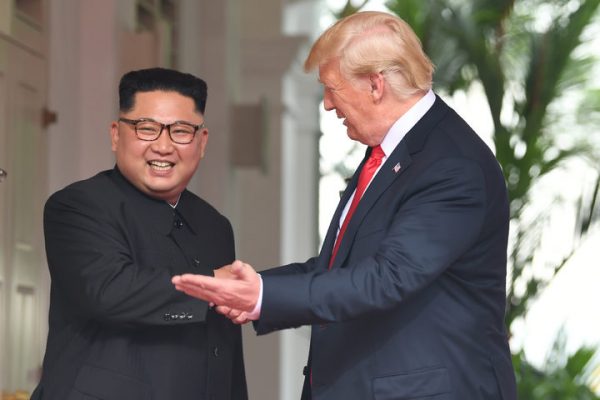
{"x":240,"y":50}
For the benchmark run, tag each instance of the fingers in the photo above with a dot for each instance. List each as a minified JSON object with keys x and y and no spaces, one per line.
{"x":224,"y":272}
{"x":196,"y":292}
{"x":224,"y":292}
{"x":236,"y":286}
{"x":195,"y":286}
{"x":236,"y":270}
{"x":229,"y":312}
{"x":236,"y":316}
{"x":200,"y":283}
{"x":242,"y":270}
{"x":189,"y":279}
{"x":242,"y":319}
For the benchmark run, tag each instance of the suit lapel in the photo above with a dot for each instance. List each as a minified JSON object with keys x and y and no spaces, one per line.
{"x":330,"y":237}
{"x":393,"y":167}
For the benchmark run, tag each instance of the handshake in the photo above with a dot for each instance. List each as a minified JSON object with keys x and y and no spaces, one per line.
{"x":235,"y":290}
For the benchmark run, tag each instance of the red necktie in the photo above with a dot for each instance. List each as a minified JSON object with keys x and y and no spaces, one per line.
{"x":366,"y":174}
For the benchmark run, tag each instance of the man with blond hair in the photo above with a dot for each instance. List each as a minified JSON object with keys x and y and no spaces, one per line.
{"x":406,"y":298}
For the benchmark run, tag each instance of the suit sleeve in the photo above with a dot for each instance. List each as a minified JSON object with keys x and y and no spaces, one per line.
{"x":91,"y":265}
{"x":292,"y":269}
{"x":438,"y":221}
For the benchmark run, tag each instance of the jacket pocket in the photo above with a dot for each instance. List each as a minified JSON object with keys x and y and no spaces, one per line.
{"x":433,"y":383}
{"x":77,"y":395}
{"x":100,"y":383}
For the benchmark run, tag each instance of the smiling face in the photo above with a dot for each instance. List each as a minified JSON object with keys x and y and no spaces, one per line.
{"x":351,"y":101}
{"x":161,"y":169}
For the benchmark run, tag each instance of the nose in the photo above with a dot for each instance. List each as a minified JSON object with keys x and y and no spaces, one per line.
{"x":327,"y":101}
{"x":163,"y":144}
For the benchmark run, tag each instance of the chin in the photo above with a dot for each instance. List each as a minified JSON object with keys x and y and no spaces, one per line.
{"x":351,"y":135}
{"x":158,"y":191}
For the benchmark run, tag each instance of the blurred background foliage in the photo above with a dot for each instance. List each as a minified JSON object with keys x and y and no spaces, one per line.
{"x":526,"y":58}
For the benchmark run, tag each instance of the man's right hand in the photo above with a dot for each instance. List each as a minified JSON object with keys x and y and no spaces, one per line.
{"x":235,"y":289}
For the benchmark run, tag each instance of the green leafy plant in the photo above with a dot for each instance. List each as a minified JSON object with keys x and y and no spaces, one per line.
{"x":563,"y":377}
{"x":526,"y":70}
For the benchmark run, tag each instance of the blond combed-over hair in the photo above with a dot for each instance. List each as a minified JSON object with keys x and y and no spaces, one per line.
{"x":375,"y":42}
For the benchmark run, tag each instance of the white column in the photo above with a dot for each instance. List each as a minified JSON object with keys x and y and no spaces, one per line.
{"x":300,"y":176}
{"x":99,"y":65}
{"x":64,"y":136}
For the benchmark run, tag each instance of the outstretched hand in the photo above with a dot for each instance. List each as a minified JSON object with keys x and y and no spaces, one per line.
{"x":234,"y":289}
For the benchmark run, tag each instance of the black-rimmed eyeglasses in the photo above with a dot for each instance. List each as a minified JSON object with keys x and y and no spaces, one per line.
{"x":149,"y":130}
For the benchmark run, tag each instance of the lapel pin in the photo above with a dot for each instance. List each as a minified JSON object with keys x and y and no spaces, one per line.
{"x":396,"y":168}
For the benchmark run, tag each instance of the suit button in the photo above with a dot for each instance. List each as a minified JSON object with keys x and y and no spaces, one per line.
{"x":182,"y":315}
{"x":216,"y":351}
{"x":196,"y":262}
{"x":167,"y":317}
{"x":178,"y":223}
{"x":190,"y":316}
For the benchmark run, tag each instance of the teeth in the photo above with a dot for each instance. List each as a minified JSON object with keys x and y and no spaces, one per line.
{"x":160,"y":165}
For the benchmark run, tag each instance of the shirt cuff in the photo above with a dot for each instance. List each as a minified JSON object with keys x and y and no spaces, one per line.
{"x":255,"y":314}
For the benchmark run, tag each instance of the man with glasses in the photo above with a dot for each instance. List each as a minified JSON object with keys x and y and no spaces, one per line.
{"x":118,"y":328}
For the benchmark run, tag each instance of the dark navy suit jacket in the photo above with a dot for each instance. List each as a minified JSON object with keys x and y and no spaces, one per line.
{"x":413,"y":306}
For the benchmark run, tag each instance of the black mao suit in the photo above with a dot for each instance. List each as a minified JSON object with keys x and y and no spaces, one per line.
{"x":413,"y":306}
{"x":118,"y":329}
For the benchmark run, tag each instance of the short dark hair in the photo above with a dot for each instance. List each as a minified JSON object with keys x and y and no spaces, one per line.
{"x":169,"y":80}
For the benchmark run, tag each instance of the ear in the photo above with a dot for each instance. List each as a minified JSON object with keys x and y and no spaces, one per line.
{"x":377,"y":82}
{"x":114,"y":135}
{"x":203,"y":133}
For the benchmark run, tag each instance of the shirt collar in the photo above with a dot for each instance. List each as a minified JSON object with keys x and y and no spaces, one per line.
{"x":406,"y":122}
{"x":174,"y":206}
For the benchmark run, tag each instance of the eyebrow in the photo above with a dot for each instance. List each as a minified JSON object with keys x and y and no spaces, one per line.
{"x":146,"y":119}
